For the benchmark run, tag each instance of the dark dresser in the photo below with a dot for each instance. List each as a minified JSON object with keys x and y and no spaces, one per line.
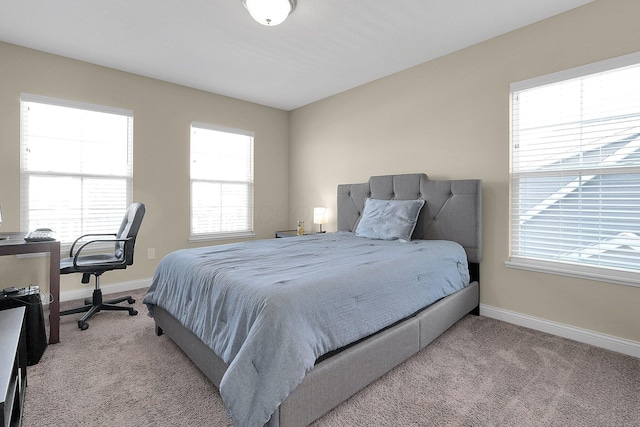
{"x":13,"y":365}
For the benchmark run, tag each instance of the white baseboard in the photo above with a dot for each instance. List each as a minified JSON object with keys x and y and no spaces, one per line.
{"x":620,"y":345}
{"x":106,"y":289}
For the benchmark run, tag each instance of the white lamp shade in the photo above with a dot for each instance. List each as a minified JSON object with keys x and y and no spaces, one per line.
{"x":320,"y":216}
{"x":269,"y":12}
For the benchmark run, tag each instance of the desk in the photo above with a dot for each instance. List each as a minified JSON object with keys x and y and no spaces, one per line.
{"x":15,"y":245}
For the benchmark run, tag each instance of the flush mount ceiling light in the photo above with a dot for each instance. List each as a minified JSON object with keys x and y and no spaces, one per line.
{"x":269,"y":12}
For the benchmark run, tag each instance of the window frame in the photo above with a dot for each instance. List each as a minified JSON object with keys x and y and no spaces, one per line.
{"x":25,"y":209}
{"x":221,"y":235}
{"x":607,"y":274}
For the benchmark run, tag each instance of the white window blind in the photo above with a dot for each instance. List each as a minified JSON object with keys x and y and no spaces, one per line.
{"x":76,"y":166}
{"x":575,"y":172}
{"x":221,"y":181}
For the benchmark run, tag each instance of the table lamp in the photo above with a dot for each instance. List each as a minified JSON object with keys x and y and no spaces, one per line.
{"x":320,"y":216}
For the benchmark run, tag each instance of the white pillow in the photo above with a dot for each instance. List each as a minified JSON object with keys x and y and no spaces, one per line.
{"x":389,"y":219}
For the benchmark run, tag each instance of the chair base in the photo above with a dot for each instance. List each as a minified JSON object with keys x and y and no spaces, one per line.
{"x":95,"y":305}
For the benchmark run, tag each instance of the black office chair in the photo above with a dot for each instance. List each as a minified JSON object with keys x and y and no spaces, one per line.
{"x":125,"y":240}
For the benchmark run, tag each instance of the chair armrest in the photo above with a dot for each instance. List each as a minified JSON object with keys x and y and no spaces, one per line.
{"x":124,"y":254}
{"x":86,"y":235}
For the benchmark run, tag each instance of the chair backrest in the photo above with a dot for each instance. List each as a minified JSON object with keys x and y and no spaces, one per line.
{"x":129,"y":230}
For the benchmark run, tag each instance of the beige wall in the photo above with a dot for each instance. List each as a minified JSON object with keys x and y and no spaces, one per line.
{"x":162,"y":116}
{"x":447,"y":117}
{"x":450,"y":118}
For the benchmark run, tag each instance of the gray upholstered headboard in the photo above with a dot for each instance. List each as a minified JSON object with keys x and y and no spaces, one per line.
{"x":452,"y":209}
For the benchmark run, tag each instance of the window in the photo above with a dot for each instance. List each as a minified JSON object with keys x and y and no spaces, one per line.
{"x":76,"y":166}
{"x":575,"y":172}
{"x":221,"y":182}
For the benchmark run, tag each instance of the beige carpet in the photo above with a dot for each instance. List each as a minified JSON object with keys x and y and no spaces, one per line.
{"x":481,"y":372}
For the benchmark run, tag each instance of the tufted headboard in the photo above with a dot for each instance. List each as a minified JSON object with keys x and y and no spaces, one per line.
{"x":452,"y":209}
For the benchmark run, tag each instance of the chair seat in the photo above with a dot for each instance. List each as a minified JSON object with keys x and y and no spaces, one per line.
{"x":91,"y":263}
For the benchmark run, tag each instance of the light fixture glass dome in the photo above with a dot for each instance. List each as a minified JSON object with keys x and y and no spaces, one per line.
{"x":269,"y":12}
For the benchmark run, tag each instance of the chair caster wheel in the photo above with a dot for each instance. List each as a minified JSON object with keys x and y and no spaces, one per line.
{"x":132,"y":312}
{"x":83,"y":325}
{"x":131,"y":301}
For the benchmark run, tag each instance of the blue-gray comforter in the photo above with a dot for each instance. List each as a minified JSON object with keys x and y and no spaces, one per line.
{"x":270,"y":308}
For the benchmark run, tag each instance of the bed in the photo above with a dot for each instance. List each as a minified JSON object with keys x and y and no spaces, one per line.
{"x":338,"y":289}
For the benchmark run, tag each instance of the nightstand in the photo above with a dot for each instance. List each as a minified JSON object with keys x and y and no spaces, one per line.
{"x":286,"y":233}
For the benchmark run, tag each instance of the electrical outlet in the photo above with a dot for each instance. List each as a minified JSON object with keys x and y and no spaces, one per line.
{"x":151,"y":253}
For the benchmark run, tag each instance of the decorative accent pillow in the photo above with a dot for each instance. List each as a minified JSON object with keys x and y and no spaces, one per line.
{"x":389,"y":219}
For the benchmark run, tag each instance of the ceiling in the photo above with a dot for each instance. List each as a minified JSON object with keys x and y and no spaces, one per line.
{"x":325,"y":47}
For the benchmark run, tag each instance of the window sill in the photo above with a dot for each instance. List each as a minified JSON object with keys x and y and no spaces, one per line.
{"x":221,"y":236}
{"x":600,"y":274}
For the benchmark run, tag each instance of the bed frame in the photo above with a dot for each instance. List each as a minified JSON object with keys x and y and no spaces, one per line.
{"x":452,"y":211}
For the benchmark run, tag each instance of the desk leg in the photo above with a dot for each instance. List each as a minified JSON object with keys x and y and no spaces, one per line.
{"x":54,"y":288}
